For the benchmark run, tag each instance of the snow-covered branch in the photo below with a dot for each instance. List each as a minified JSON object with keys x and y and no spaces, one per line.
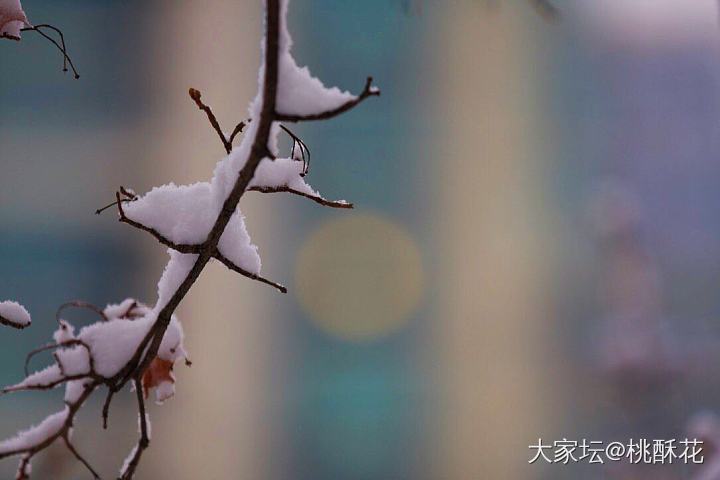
{"x":198,"y":223}
{"x":14,"y":315}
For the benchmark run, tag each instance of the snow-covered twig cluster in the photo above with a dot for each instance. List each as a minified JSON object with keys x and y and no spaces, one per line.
{"x":138,"y":344}
{"x":13,"y":21}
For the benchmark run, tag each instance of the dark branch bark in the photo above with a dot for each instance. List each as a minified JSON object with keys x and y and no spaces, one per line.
{"x":67,"y":425}
{"x":106,"y":407}
{"x":368,"y":91}
{"x":8,"y":323}
{"x":227,"y":142}
{"x":79,"y":304}
{"x":225,"y":261}
{"x":66,"y":58}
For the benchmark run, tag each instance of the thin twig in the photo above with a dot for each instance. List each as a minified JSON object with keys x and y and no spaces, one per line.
{"x":80,"y":304}
{"x":229,"y":264}
{"x":314,"y":198}
{"x":77,"y":455}
{"x":195,"y":95}
{"x":22,"y":472}
{"x":50,"y":346}
{"x":237,"y":130}
{"x":66,"y":57}
{"x":106,"y":407}
{"x":144,"y":440}
{"x":303,"y":149}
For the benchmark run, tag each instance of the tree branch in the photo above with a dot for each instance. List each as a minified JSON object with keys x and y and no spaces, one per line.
{"x":368,"y":91}
{"x":75,"y":453}
{"x":147,"y":349}
{"x":66,"y":58}
{"x":227,"y":143}
{"x":314,"y":198}
{"x":225,"y":261}
{"x":22,"y":471}
{"x":258,"y":151}
{"x":79,"y":304}
{"x":8,"y":323}
{"x":144,"y":441}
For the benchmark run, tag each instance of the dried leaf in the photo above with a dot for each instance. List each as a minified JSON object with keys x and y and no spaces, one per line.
{"x":159,"y":375}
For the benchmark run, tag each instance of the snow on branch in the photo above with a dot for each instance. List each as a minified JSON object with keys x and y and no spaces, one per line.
{"x":89,"y":360}
{"x":139,"y":344}
{"x":334,"y":104}
{"x":14,"y":315}
{"x":13,"y":21}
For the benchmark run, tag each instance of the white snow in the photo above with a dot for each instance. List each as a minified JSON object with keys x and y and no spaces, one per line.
{"x":185,"y":215}
{"x":175,"y":273}
{"x":25,"y":440}
{"x":237,"y":247}
{"x":74,"y":389}
{"x":172,"y":348}
{"x":64,"y":333}
{"x":127,"y":461}
{"x":119,"y":310}
{"x":74,"y":361}
{"x":299,"y":93}
{"x":12,"y":18}
{"x":164,"y":391}
{"x":113,"y":343}
{"x":281,"y":172}
{"x":14,"y":314}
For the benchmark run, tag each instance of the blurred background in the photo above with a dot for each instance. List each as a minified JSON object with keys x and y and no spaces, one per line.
{"x":534,"y":251}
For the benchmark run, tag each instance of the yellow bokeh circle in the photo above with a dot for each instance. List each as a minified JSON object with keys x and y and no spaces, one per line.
{"x":359,"y":277}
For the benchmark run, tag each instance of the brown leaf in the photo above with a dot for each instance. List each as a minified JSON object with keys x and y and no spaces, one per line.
{"x":159,"y":374}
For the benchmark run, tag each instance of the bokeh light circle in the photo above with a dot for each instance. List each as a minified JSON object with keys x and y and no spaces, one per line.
{"x":359,"y":277}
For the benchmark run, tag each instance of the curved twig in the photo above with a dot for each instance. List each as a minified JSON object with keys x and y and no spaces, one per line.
{"x":66,"y":58}
{"x":303,"y":149}
{"x":80,"y":304}
{"x":72,"y":449}
{"x":50,"y":346}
